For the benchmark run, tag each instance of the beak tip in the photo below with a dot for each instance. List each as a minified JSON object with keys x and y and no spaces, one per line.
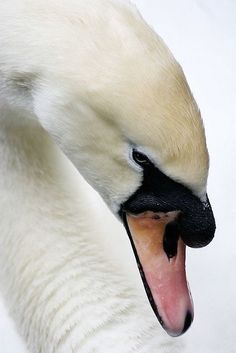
{"x":187,"y":324}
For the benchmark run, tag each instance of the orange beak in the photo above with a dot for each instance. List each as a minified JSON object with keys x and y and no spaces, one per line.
{"x":160,"y":254}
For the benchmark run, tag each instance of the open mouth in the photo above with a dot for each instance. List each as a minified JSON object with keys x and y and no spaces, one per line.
{"x":160,"y":254}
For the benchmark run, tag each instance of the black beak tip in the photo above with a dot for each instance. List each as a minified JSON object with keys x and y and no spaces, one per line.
{"x":188,"y":322}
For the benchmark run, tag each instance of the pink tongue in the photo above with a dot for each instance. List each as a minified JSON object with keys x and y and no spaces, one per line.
{"x":165,"y":277}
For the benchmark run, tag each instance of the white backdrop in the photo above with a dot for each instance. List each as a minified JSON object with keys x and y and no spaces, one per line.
{"x":202,"y":36}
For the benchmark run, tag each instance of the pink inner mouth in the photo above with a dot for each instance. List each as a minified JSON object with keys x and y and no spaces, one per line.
{"x":166,"y":277}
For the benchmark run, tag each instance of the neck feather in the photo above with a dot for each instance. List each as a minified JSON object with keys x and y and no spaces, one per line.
{"x":62,"y":293}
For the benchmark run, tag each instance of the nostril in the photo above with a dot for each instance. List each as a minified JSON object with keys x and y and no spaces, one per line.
{"x":170,"y":240}
{"x":188,"y":321}
{"x":180,"y":216}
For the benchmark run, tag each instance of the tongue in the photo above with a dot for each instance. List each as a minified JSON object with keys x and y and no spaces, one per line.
{"x":164,"y":276}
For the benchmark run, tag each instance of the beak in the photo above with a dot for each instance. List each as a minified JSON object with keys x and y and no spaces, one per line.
{"x":160,"y":254}
{"x":161,"y":218}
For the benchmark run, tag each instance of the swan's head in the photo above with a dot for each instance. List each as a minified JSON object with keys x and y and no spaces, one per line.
{"x":123,"y":113}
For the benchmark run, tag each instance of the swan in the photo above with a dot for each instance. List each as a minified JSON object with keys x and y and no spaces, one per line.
{"x":90,"y":79}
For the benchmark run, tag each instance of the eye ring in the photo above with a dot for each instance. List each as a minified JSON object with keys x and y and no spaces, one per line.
{"x":140,"y":158}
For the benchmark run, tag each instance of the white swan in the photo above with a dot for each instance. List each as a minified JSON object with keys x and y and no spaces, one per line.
{"x":95,"y":79}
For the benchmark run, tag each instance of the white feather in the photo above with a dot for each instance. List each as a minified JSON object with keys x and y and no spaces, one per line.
{"x":83,"y":71}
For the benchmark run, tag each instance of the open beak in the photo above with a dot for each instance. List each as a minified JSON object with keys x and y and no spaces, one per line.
{"x":160,"y":254}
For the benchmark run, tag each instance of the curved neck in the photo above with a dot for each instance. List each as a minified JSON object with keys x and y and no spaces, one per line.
{"x":64,"y":296}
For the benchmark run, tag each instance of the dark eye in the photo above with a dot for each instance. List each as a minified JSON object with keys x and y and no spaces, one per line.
{"x":140,"y":158}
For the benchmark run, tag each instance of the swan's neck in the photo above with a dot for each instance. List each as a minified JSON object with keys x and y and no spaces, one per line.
{"x":63,"y":295}
{"x":26,"y":152}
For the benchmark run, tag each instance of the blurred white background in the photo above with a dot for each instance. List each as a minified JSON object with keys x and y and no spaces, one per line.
{"x":202,"y":36}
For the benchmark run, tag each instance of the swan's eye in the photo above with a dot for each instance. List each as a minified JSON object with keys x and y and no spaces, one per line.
{"x":140,"y":158}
